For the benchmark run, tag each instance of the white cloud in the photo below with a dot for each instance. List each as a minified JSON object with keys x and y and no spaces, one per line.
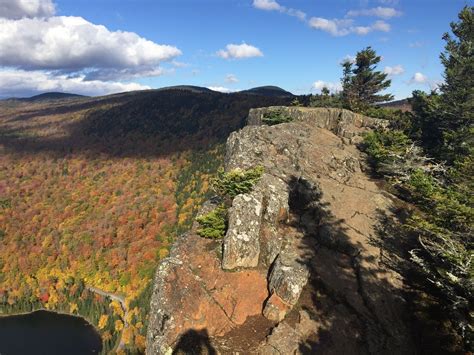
{"x":418,"y":78}
{"x":231,"y":78}
{"x":272,"y":5}
{"x":348,"y":58}
{"x":320,"y":84}
{"x":72,"y":43}
{"x":381,"y":26}
{"x":296,"y":13}
{"x":239,"y":51}
{"x":383,"y":12}
{"x":268,"y":5}
{"x":362,"y":30}
{"x":123,"y":74}
{"x":389,"y":2}
{"x":335,"y":27}
{"x":396,"y":70}
{"x":221,"y":89}
{"x":16,"y":9}
{"x":343,"y":27}
{"x":21,"y":83}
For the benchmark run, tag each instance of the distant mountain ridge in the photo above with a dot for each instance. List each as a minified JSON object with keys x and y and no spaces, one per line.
{"x":269,"y":91}
{"x":403,"y":105}
{"x":273,"y":91}
{"x":47,"y":96}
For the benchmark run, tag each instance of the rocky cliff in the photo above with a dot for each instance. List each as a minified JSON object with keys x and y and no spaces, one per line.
{"x":296,"y":271}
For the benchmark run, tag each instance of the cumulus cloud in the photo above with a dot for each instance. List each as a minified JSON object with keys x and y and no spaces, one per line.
{"x":268,"y":5}
{"x":124,"y":74}
{"x":381,"y":26}
{"x":41,"y":52}
{"x":221,"y":89}
{"x":272,"y":5}
{"x":343,"y":27}
{"x":231,"y":78}
{"x":21,"y":83}
{"x":382,"y":12}
{"x":396,"y":70}
{"x":16,"y":9}
{"x":336,"y":27}
{"x":419,"y":78}
{"x":72,"y":43}
{"x":239,"y":51}
{"x":320,"y":84}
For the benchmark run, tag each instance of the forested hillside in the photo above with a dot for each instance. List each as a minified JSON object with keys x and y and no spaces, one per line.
{"x":93,"y":191}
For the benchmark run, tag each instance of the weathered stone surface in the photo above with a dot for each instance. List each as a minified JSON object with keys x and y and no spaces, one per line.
{"x":288,"y":277}
{"x":242,"y":240}
{"x":272,"y":242}
{"x":341,"y":122}
{"x":275,"y":194}
{"x":284,"y":339}
{"x":275,"y":309}
{"x":191,"y":291}
{"x":313,"y":174}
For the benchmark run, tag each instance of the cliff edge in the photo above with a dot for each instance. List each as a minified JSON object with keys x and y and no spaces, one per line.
{"x":296,"y":271}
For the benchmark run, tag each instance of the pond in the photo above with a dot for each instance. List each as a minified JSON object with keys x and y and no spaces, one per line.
{"x":44,"y":332}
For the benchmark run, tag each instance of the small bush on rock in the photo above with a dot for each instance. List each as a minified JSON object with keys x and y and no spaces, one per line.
{"x":213,"y":224}
{"x":235,"y":182}
{"x":226,"y":185}
{"x":275,"y":117}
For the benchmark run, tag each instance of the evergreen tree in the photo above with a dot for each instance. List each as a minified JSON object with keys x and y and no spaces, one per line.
{"x":361,"y":83}
{"x":458,"y":88}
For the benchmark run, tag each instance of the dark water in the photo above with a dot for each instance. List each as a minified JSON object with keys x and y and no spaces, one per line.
{"x":47,"y":333}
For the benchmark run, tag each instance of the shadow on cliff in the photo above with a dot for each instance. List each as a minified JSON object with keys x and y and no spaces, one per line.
{"x":194,"y":342}
{"x":344,"y":296}
{"x":431,"y":324}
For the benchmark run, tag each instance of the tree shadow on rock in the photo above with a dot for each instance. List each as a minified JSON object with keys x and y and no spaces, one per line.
{"x":194,"y":342}
{"x":357,"y":311}
{"x":430,"y":322}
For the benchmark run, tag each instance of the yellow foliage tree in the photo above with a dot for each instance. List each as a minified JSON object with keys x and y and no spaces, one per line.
{"x":73,"y":308}
{"x":118,"y":325}
{"x":103,"y":321}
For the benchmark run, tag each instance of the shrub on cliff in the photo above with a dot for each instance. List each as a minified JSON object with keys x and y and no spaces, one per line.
{"x":227,"y":185}
{"x":275,"y":117}
{"x":213,"y":224}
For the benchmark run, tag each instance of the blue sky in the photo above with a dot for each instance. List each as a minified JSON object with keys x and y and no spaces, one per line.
{"x":296,"y":44}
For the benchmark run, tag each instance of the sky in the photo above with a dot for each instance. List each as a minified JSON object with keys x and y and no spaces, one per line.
{"x":106,"y":46}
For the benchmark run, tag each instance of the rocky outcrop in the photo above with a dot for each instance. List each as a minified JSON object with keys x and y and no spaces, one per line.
{"x":296,"y":271}
{"x":242,"y":241}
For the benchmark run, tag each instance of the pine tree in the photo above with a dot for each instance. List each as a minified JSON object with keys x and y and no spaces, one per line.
{"x":361,"y":83}
{"x":458,"y":87}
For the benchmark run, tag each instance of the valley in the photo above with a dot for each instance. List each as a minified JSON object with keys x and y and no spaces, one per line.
{"x":94,"y":190}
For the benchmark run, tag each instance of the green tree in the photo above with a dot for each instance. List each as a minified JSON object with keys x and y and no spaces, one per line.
{"x":458,"y":88}
{"x":361,"y":82}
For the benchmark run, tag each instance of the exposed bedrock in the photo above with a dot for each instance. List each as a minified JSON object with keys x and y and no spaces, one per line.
{"x":296,"y":271}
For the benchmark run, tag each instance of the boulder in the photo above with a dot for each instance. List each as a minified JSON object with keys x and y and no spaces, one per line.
{"x":242,"y":240}
{"x":288,"y":277}
{"x":275,"y":308}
